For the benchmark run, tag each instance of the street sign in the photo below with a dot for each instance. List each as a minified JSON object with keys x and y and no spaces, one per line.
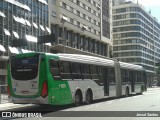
{"x":19,"y":42}
{"x":46,"y":39}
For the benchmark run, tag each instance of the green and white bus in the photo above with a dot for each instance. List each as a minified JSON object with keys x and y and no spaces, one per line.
{"x":59,"y":79}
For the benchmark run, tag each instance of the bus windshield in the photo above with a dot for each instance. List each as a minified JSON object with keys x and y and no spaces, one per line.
{"x":25,"y":68}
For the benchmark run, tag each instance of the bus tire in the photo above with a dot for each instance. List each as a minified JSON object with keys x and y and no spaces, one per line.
{"x":78,"y":98}
{"x":127,"y":92}
{"x":89,"y":96}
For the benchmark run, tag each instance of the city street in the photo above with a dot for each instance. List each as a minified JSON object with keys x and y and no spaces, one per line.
{"x":149,"y":101}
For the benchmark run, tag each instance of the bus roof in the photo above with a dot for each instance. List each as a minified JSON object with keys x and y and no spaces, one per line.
{"x":95,"y":60}
{"x":86,"y":59}
{"x":130,"y":66}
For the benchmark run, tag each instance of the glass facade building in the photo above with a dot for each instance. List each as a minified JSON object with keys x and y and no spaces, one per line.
{"x":21,"y":19}
{"x":136,"y":36}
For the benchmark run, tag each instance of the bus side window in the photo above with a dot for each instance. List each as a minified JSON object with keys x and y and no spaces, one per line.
{"x":54,"y":69}
{"x":65,"y":69}
{"x":100,"y":75}
{"x":111,"y":75}
{"x":76,"y":70}
{"x":125,"y":75}
{"x":94,"y":72}
{"x":86,"y":71}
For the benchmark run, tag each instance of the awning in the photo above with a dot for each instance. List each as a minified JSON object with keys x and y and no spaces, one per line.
{"x":15,"y":18}
{"x":2,"y":48}
{"x":6,"y":32}
{"x":48,"y":44}
{"x":43,"y":1}
{"x":14,"y":2}
{"x":26,"y":7}
{"x":15,"y":34}
{"x":31,"y":38}
{"x":35,"y":25}
{"x":13,"y":50}
{"x":24,"y":51}
{"x":42,"y":28}
{"x":2,"y":14}
{"x":49,"y":31}
{"x":20,"y":20}
{"x":28,"y":23}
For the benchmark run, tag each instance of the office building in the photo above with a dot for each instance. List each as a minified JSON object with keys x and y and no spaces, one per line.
{"x":136,"y":36}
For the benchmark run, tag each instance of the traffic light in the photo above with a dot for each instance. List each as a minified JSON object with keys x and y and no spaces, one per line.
{"x":19,"y":42}
{"x":46,"y":39}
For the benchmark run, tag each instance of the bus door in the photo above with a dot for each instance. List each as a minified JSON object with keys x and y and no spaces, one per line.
{"x":55,"y":71}
{"x":105,"y":81}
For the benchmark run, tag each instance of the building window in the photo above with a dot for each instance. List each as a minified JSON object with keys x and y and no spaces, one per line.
{"x":89,"y":18}
{"x":84,"y":6}
{"x":54,"y":14}
{"x":64,"y":5}
{"x":94,"y":3}
{"x":71,"y":20}
{"x":94,"y":31}
{"x":89,"y":9}
{"x":78,"y":2}
{"x":78,"y":24}
{"x":89,"y":28}
{"x":71,"y":9}
{"x":84,"y":16}
{"x":78,"y":13}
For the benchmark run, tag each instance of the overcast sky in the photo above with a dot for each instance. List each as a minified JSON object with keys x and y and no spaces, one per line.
{"x":153,"y":5}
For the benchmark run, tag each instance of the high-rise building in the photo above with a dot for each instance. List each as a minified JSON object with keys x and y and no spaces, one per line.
{"x":136,"y":36}
{"x":21,"y":19}
{"x":79,"y":28}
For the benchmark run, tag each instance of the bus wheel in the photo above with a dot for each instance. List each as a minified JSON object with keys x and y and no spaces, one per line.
{"x":78,"y":99}
{"x":127,"y":92}
{"x":89,"y":97}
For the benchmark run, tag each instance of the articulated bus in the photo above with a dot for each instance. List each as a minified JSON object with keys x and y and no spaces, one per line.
{"x":59,"y":79}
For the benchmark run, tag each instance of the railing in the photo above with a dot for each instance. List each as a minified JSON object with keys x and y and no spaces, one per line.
{"x":3,"y":94}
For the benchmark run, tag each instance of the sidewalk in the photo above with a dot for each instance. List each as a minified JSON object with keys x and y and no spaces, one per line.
{"x":153,"y":88}
{"x":7,"y":106}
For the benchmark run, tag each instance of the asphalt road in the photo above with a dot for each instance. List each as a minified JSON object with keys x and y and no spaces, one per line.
{"x":136,"y":107}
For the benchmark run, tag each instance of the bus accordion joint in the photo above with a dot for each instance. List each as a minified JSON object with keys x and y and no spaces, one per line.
{"x":8,"y":91}
{"x":44,"y":92}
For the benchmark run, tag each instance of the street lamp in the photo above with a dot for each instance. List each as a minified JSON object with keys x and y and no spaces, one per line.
{"x":63,"y":20}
